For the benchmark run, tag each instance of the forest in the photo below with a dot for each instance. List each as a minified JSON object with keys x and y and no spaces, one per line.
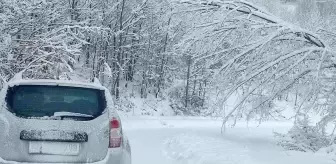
{"x":193,"y":56}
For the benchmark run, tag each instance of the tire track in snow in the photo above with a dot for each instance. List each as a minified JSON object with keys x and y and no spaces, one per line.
{"x":190,"y":148}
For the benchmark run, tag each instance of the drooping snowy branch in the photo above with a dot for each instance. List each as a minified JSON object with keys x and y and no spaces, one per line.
{"x":248,"y":48}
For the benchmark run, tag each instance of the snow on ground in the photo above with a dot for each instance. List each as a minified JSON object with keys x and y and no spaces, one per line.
{"x":192,"y":140}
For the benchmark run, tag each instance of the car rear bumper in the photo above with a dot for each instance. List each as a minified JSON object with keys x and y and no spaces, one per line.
{"x":112,"y":157}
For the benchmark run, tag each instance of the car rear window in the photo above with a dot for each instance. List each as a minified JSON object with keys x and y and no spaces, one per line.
{"x":43,"y":101}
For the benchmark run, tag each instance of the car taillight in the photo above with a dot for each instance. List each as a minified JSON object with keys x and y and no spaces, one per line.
{"x":114,"y":124}
{"x":115,"y":133}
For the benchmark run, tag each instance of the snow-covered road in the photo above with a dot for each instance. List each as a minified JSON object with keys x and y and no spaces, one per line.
{"x":199,"y":141}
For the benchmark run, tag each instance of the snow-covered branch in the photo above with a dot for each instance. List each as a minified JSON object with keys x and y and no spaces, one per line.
{"x":259,"y":51}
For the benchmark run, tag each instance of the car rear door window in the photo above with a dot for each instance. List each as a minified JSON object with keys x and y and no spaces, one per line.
{"x":44,"y":101}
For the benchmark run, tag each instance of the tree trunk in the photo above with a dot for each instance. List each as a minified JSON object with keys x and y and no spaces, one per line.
{"x":194,"y":88}
{"x":296,"y":97}
{"x":204,"y":92}
{"x":162,"y":62}
{"x":188,"y":77}
{"x":119,"y":50}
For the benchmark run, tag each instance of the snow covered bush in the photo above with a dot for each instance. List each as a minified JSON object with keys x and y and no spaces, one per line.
{"x":196,"y":103}
{"x":124,"y":105}
{"x":303,"y":137}
{"x":329,"y":151}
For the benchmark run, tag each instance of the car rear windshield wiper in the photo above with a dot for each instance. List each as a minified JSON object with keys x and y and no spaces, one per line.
{"x":71,"y":114}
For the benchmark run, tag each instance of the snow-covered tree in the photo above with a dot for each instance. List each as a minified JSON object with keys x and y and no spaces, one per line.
{"x":252,"y":52}
{"x":6,"y":12}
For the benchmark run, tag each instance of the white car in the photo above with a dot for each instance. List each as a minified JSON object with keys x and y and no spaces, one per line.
{"x":51,"y":121}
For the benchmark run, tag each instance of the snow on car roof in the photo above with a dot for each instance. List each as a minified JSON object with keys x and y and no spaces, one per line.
{"x":67,"y":83}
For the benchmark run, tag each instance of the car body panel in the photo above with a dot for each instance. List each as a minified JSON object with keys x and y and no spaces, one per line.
{"x":94,"y":150}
